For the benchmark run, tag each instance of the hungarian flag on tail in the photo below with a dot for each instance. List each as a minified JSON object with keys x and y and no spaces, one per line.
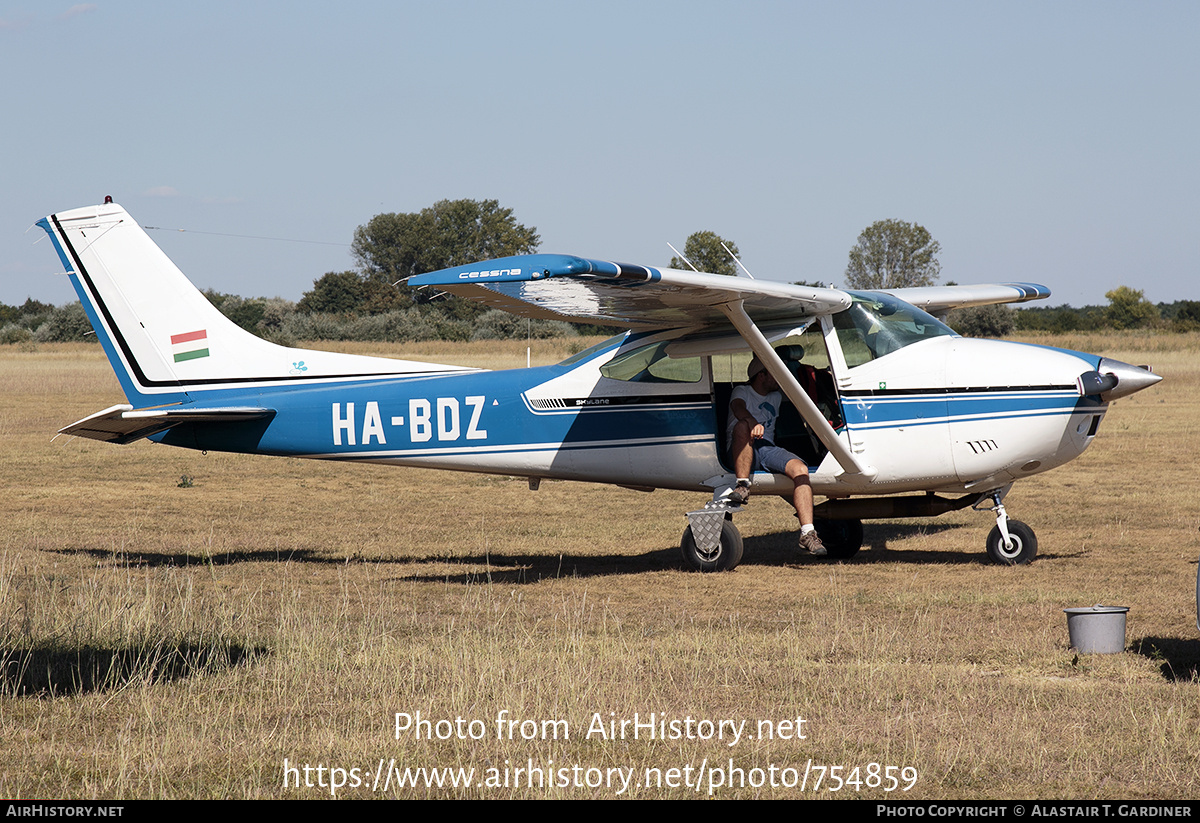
{"x":189,"y":345}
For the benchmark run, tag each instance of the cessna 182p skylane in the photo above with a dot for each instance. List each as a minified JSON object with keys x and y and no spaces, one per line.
{"x":894,"y":401}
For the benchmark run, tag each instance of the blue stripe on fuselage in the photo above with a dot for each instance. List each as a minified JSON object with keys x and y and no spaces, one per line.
{"x":484,"y":411}
{"x":885,"y":411}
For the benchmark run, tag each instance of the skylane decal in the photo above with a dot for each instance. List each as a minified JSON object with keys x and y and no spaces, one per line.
{"x":636,"y":403}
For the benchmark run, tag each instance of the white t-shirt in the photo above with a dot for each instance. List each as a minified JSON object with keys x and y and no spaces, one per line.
{"x":765,"y":409}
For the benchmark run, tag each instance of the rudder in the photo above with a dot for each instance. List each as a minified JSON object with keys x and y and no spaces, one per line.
{"x":162,"y":335}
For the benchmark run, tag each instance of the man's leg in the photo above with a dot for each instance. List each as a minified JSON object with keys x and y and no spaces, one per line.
{"x":741,"y":450}
{"x":802,"y":496}
{"x":802,"y":499}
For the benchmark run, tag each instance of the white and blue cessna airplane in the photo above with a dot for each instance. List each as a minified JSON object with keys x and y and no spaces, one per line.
{"x":891,"y":409}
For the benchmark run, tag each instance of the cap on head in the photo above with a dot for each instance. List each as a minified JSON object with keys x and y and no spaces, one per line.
{"x":754,"y":368}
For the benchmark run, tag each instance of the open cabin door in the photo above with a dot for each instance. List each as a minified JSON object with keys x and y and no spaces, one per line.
{"x":804,"y":352}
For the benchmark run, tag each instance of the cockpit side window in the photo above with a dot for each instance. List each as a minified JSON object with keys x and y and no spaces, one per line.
{"x":650,"y":364}
{"x":878,"y":324}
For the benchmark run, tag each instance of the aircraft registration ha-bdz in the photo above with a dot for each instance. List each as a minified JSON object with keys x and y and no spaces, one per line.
{"x":894,"y":413}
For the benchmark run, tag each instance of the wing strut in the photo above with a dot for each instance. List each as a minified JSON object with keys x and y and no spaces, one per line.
{"x":850,"y":464}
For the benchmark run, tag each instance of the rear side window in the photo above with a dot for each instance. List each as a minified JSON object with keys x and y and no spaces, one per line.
{"x":650,"y":364}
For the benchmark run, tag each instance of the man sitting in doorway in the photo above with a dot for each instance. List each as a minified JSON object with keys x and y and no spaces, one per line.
{"x":753,"y":409}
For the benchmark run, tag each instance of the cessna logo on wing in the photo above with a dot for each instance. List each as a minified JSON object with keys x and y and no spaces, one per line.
{"x":480,"y":275}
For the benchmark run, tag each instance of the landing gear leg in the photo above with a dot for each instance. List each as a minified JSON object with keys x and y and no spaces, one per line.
{"x":1011,"y":542}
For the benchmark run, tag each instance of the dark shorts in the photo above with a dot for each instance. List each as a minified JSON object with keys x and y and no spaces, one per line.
{"x":769,"y":457}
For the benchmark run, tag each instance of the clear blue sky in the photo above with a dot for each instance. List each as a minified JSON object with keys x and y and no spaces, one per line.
{"x":1054,"y":142}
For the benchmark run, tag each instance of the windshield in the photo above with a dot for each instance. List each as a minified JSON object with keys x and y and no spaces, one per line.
{"x":878,"y":324}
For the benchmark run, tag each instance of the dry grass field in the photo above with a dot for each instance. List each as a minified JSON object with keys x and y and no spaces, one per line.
{"x":167,"y":640}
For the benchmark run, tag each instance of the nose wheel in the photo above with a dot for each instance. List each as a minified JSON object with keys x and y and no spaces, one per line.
{"x":1010,"y":542}
{"x":1018,"y":550}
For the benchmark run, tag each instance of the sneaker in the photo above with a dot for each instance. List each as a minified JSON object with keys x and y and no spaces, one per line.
{"x":812,"y":544}
{"x":739,"y":495}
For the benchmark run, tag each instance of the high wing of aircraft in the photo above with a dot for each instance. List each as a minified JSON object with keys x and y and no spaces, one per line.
{"x":895,"y":412}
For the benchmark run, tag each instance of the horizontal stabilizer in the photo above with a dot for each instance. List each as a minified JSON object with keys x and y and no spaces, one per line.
{"x":122,"y":424}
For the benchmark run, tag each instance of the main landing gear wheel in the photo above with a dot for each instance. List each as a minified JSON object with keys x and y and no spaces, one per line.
{"x":1020,"y":551}
{"x":842,"y":538}
{"x":724,"y":557}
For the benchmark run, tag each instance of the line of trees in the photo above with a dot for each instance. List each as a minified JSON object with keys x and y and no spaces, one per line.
{"x":374,"y":303}
{"x":36,"y":322}
{"x":1127,"y":309}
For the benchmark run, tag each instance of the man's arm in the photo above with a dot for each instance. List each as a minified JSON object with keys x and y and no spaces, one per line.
{"x":737,"y":407}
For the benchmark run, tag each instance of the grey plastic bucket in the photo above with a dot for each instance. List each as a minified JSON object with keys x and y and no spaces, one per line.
{"x":1097,"y":629}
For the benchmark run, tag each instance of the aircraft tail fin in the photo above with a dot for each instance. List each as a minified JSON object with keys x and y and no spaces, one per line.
{"x":162,"y":336}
